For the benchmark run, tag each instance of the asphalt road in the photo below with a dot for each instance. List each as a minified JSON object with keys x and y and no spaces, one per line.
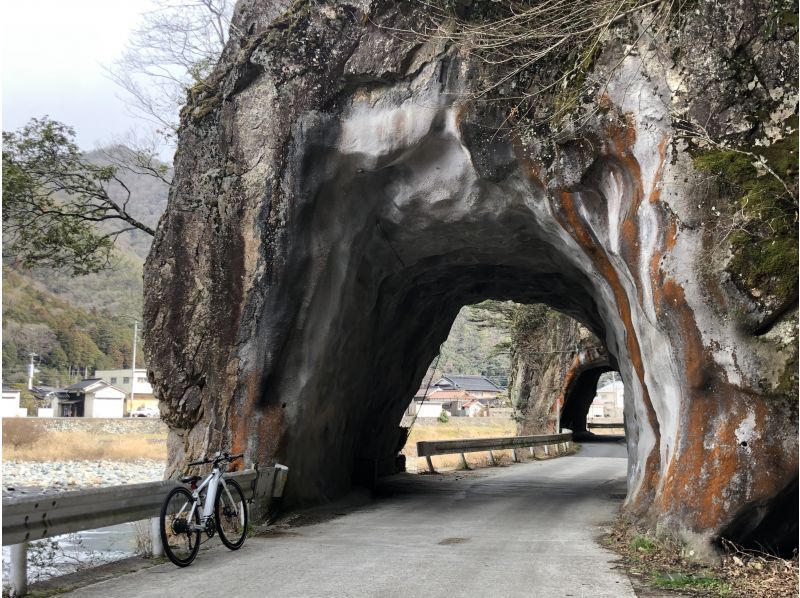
{"x":525,"y":530}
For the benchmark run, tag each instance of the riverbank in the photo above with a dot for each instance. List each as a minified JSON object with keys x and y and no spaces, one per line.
{"x":27,"y":476}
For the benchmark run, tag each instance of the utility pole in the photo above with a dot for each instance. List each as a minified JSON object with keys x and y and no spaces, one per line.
{"x":31,"y":369}
{"x":133,"y":361}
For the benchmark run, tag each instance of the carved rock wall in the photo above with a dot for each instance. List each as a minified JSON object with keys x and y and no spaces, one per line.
{"x":338,"y":198}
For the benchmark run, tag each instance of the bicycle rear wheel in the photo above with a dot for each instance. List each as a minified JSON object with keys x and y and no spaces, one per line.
{"x":180,"y":539}
{"x":230,"y":512}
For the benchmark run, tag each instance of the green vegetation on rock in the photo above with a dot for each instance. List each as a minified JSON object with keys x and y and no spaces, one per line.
{"x":763,"y":234}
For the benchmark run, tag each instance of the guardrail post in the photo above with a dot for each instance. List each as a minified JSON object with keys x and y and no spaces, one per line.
{"x":156,"y":547}
{"x":546,"y":450}
{"x":491,"y":459}
{"x":430,"y":464}
{"x":464,"y":461}
{"x":514,"y":455}
{"x":19,"y":569}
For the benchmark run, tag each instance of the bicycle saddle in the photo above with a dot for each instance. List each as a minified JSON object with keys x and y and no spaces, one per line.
{"x":191,"y":479}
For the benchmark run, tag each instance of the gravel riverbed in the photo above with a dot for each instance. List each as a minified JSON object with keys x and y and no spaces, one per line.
{"x":20,"y":477}
{"x":71,"y":552}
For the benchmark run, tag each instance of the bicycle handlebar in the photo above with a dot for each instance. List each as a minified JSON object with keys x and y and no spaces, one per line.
{"x":217,"y":459}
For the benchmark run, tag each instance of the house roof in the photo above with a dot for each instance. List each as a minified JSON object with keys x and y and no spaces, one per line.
{"x":85,"y":384}
{"x":421,"y":392}
{"x":473,"y":402}
{"x":90,"y":385}
{"x":479,"y":383}
{"x":451,"y":395}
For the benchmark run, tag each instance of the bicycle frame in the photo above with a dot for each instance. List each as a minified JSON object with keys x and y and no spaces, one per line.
{"x":213,"y":482}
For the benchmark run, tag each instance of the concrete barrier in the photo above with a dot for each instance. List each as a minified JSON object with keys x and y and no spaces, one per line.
{"x":429,"y":448}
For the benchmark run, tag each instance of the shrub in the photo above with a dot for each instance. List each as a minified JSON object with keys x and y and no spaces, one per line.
{"x":21,"y":432}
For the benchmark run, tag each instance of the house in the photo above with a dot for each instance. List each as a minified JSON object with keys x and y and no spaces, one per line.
{"x":131,"y":380}
{"x":89,"y":398}
{"x":44,"y":395}
{"x":428,"y":408}
{"x":609,"y":402}
{"x":479,"y":387}
{"x":475,"y":408}
{"x":453,"y":392}
{"x":9,"y":406}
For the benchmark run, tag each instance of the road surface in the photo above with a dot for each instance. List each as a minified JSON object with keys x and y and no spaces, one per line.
{"x":525,"y":530}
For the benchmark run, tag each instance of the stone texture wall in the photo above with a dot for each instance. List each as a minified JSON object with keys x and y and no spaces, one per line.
{"x":338,"y":197}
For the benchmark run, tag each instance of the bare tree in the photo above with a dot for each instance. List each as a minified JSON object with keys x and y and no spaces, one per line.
{"x":174,"y":48}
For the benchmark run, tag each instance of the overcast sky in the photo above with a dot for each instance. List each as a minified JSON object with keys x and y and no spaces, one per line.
{"x":53,"y":57}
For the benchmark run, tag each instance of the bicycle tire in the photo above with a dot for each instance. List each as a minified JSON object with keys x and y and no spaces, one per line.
{"x":176,"y":503}
{"x":231,"y":518}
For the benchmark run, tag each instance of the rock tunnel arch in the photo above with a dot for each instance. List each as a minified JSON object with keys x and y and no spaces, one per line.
{"x":579,"y":392}
{"x":327,"y":222}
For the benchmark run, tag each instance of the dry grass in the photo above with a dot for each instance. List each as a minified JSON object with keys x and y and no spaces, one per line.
{"x":462,"y":427}
{"x":30,"y":442}
{"x":663,"y":562}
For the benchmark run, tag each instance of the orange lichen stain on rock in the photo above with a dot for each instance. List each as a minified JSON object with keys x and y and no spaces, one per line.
{"x":656,"y":273}
{"x":655,"y":189}
{"x":250,"y":420}
{"x":707,"y":464}
{"x":671,"y":236}
{"x":694,"y":354}
{"x":714,"y":476}
{"x":573,"y":224}
{"x":620,"y":141}
{"x":530,"y":168}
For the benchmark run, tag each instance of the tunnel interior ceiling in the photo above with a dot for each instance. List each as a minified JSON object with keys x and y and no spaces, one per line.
{"x":329,"y":218}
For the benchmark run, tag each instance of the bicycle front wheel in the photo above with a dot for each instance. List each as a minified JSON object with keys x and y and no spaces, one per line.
{"x":180,"y":539}
{"x":230,"y":511}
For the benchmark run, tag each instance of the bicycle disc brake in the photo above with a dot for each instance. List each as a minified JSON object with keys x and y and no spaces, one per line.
{"x":211,"y":527}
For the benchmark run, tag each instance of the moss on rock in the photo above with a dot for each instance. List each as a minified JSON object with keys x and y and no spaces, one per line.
{"x":764,"y":235}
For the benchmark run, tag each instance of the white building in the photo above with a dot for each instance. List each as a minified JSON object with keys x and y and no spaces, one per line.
{"x":609,"y":402}
{"x":128,"y":381}
{"x":90,"y":398}
{"x":9,"y":406}
{"x":425,"y":409}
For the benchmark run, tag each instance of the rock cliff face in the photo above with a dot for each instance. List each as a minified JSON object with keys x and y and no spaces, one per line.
{"x":556,"y":364}
{"x":339,"y":195}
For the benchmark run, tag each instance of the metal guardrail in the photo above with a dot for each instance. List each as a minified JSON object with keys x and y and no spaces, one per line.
{"x":429,"y":448}
{"x":605,"y":425}
{"x":29,"y":518}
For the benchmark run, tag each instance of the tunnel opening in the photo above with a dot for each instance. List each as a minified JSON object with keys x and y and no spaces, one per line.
{"x":505,"y":370}
{"x":594,"y":399}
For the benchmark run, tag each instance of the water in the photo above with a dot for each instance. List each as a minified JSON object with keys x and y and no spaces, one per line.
{"x":68,"y":553}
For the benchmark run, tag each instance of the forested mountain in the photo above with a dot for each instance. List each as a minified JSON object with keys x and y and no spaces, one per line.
{"x":68,"y":340}
{"x":78,"y":324}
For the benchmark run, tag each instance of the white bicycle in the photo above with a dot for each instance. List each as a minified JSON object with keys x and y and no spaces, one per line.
{"x":215,"y":505}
